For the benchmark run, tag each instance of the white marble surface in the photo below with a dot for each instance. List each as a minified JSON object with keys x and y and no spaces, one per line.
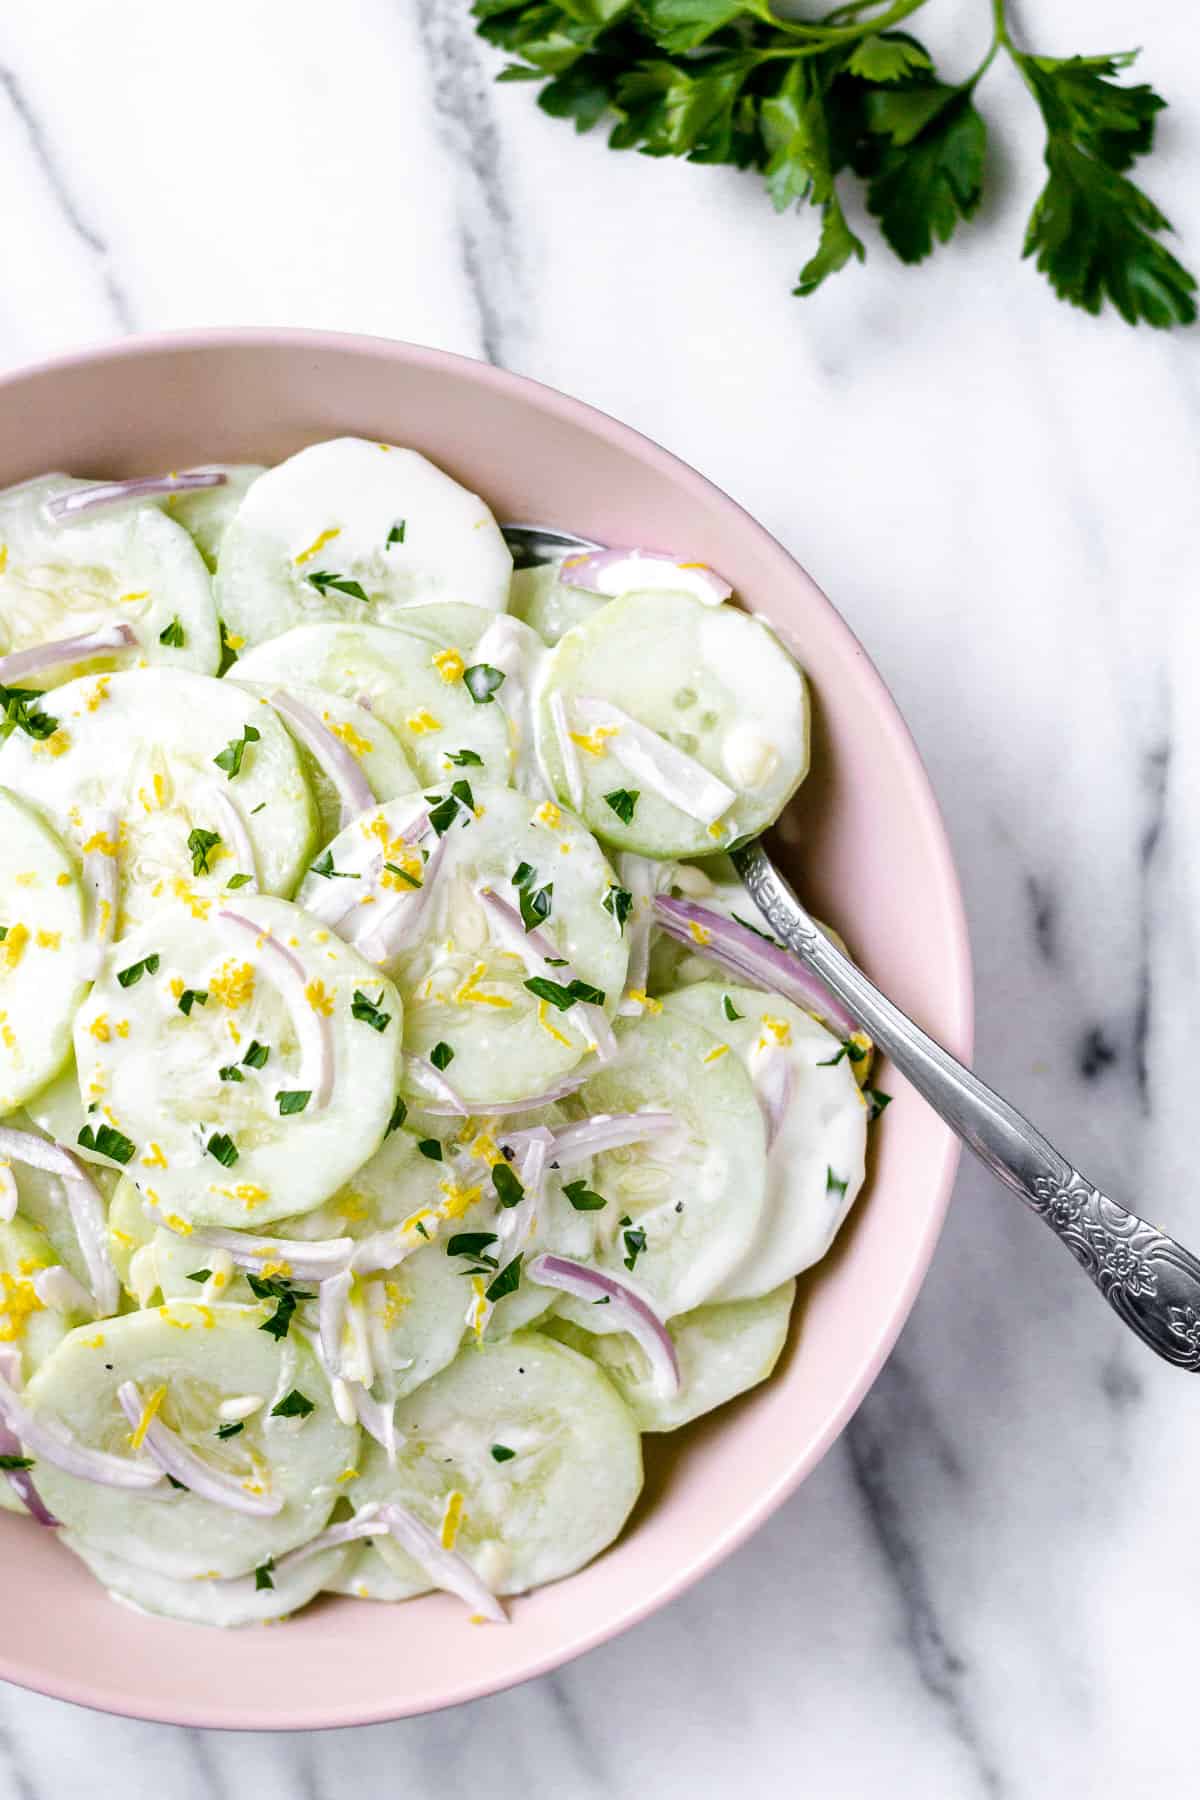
{"x":987,"y":1587}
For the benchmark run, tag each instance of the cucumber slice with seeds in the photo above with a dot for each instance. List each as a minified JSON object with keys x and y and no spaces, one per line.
{"x":221,"y":1150}
{"x":198,"y":1601}
{"x":41,"y":966}
{"x":203,"y":1357}
{"x":540,"y":599}
{"x":355,"y":530}
{"x":723,"y":1350}
{"x":143,"y":746}
{"x":556,"y":1503}
{"x":713,"y":683}
{"x":27,"y":1323}
{"x":817,"y":1163}
{"x":207,"y":513}
{"x":128,"y":565}
{"x":366,"y":1576}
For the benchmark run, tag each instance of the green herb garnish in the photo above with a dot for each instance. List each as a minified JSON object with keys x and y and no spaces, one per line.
{"x":464,"y":758}
{"x":501,"y":1453}
{"x":553,"y":991}
{"x":21,"y":714}
{"x":263,"y":1577}
{"x":322,"y":580}
{"x":482,"y":681}
{"x":729,"y":1009}
{"x":582,"y":1197}
{"x":201,"y":843}
{"x":469,"y":1243}
{"x":535,"y":903}
{"x":107,"y":1142}
{"x":635,"y":1242}
{"x":129,"y":977}
{"x":368,"y":1011}
{"x":509,"y":1191}
{"x":256,"y":1056}
{"x":619,"y":902}
{"x":462,"y":793}
{"x":286,"y":1298}
{"x":507,"y":1281}
{"x":431,"y":1148}
{"x":228,"y":654}
{"x":623,"y":802}
{"x":403,"y":874}
{"x":396,"y":534}
{"x":399,"y":1114}
{"x":191,"y":997}
{"x":237,"y":881}
{"x":232,"y":1429}
{"x":200,"y":1276}
{"x":876,"y":1102}
{"x":293,"y":1406}
{"x":16,"y":1462}
{"x":231,"y":1072}
{"x":173,"y":635}
{"x":293,"y":1100}
{"x":441,"y":1056}
{"x":834,"y":1184}
{"x":231,"y":756}
{"x":442,"y":813}
{"x":222,"y":1147}
{"x":324,"y":866}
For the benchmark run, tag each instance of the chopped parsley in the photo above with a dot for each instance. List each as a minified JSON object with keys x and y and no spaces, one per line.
{"x":293,"y":1100}
{"x":192,"y":997}
{"x":396,"y":534}
{"x":263,"y":1577}
{"x":507,"y":1281}
{"x":324,"y":866}
{"x":237,"y":881}
{"x":835,"y":1185}
{"x":535,"y":903}
{"x":20,"y":714}
{"x":232,"y":1429}
{"x":399,"y":1114}
{"x":231,"y":756}
{"x":200,"y":843}
{"x":442,"y":813}
{"x":3,"y":933}
{"x":509,"y":1191}
{"x":274,"y":1287}
{"x":582,"y":1197}
{"x":130,"y":976}
{"x":619,"y":902}
{"x":502,"y":1453}
{"x":200,"y":1276}
{"x":293,"y":1406}
{"x":583,"y":990}
{"x":764,"y":935}
{"x":256,"y":1056}
{"x":228,"y":654}
{"x":635,"y":1242}
{"x":107,"y":1142}
{"x":876,"y":1101}
{"x":172,"y":635}
{"x":222,"y":1147}
{"x":16,"y":1462}
{"x":729,"y":1009}
{"x":231,"y":1072}
{"x":564,"y":997}
{"x":368,"y":1011}
{"x":441,"y":1056}
{"x":831,"y":1062}
{"x":623,"y":801}
{"x":464,"y":758}
{"x":323,"y":580}
{"x":469,"y":1243}
{"x":403,"y":874}
{"x":481,"y":682}
{"x":431,"y":1148}
{"x":461,"y":790}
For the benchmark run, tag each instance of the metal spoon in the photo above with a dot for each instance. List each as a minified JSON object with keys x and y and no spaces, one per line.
{"x":1148,"y":1279}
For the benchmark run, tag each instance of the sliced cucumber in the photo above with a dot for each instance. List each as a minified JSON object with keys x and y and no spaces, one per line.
{"x":203,"y":1356}
{"x":540,"y":1514}
{"x":201,"y":1601}
{"x":411,"y":678}
{"x":817,"y":1162}
{"x":366,"y":1576}
{"x":464,"y":978}
{"x":722,"y":1350}
{"x":207,"y":513}
{"x":126,"y":565}
{"x":27,"y":1323}
{"x":143,"y":746}
{"x":541,"y":600}
{"x":373,"y":744}
{"x":698,"y":1193}
{"x":713,"y":683}
{"x":219,"y":1149}
{"x":41,"y":968}
{"x":355,"y":530}
{"x":42,"y":1196}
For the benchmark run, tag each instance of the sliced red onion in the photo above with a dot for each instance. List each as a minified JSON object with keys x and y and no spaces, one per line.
{"x":376,"y":1419}
{"x":101,"y":875}
{"x":313,"y":1030}
{"x":9,"y":1196}
{"x":234,"y":831}
{"x":639,"y":1318}
{"x":58,"y":1289}
{"x":657,"y":764}
{"x":744,"y":953}
{"x":576,"y":1143}
{"x":642,"y":877}
{"x":173,"y":1457}
{"x":117,"y":636}
{"x":568,"y":754}
{"x":337,"y":761}
{"x":365,"y":1523}
{"x":331,"y":1314}
{"x":774,"y":1076}
{"x":55,"y":1444}
{"x":517,"y":1223}
{"x":85,"y":1204}
{"x":536,"y":950}
{"x":445,"y":1568}
{"x":20,"y":1480}
{"x":496,"y":1109}
{"x":311,"y":1259}
{"x":627,"y":571}
{"x":395,"y":923}
{"x":65,"y":507}
{"x":446,"y":1098}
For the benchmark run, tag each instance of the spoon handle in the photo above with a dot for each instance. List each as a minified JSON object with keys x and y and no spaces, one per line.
{"x":1152,"y":1282}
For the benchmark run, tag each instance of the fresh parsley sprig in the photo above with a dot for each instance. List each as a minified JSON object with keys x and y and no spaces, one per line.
{"x":809,"y":102}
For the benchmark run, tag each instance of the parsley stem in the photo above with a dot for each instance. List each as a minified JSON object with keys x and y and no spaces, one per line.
{"x":1000,"y":24}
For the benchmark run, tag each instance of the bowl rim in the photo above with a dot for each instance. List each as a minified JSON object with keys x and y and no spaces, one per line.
{"x":958,"y":1032}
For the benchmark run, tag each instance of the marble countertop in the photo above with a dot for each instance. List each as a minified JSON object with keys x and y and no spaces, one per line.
{"x":983,"y":1589}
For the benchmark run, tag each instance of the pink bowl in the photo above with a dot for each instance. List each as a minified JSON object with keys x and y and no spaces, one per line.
{"x":876,"y":862}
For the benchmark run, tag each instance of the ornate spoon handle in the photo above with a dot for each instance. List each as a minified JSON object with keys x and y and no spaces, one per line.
{"x":1152,"y":1282}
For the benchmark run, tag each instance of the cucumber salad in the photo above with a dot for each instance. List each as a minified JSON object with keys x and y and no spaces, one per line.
{"x":403,"y":1106}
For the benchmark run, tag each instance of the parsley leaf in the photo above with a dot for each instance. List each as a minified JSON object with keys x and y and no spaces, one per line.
{"x":223,"y":1148}
{"x":582,"y":1197}
{"x":172,"y":635}
{"x":441,"y":1056}
{"x":553,"y":991}
{"x":619,"y":902}
{"x":635,"y":1242}
{"x":200,"y":843}
{"x":430,"y":1147}
{"x":469,"y":1243}
{"x":191,"y":997}
{"x":263,"y":1577}
{"x":396,"y":534}
{"x":15,"y":1462}
{"x":237,"y":881}
{"x":482,"y":681}
{"x":399,"y":1114}
{"x":200,"y":1275}
{"x":507,"y":1281}
{"x":105,"y":1141}
{"x":509,"y":1191}
{"x":324,"y":866}
{"x":623,"y":801}
{"x":729,"y":1009}
{"x":322,"y":580}
{"x":293,"y":1406}
{"x":876,"y":1101}
{"x":293,"y":1100}
{"x":286,"y":1297}
{"x":502,"y":1454}
{"x":130,"y":976}
{"x":834,"y":1184}
{"x":234,"y":752}
{"x":368,"y":1011}
{"x":536,"y":903}
{"x":231,"y":1072}
{"x":464,"y":758}
{"x":21,"y":714}
{"x":256,"y":1056}
{"x":232,"y":1429}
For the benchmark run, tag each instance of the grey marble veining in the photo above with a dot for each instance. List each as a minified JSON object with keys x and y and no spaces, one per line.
{"x":985,"y":1589}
